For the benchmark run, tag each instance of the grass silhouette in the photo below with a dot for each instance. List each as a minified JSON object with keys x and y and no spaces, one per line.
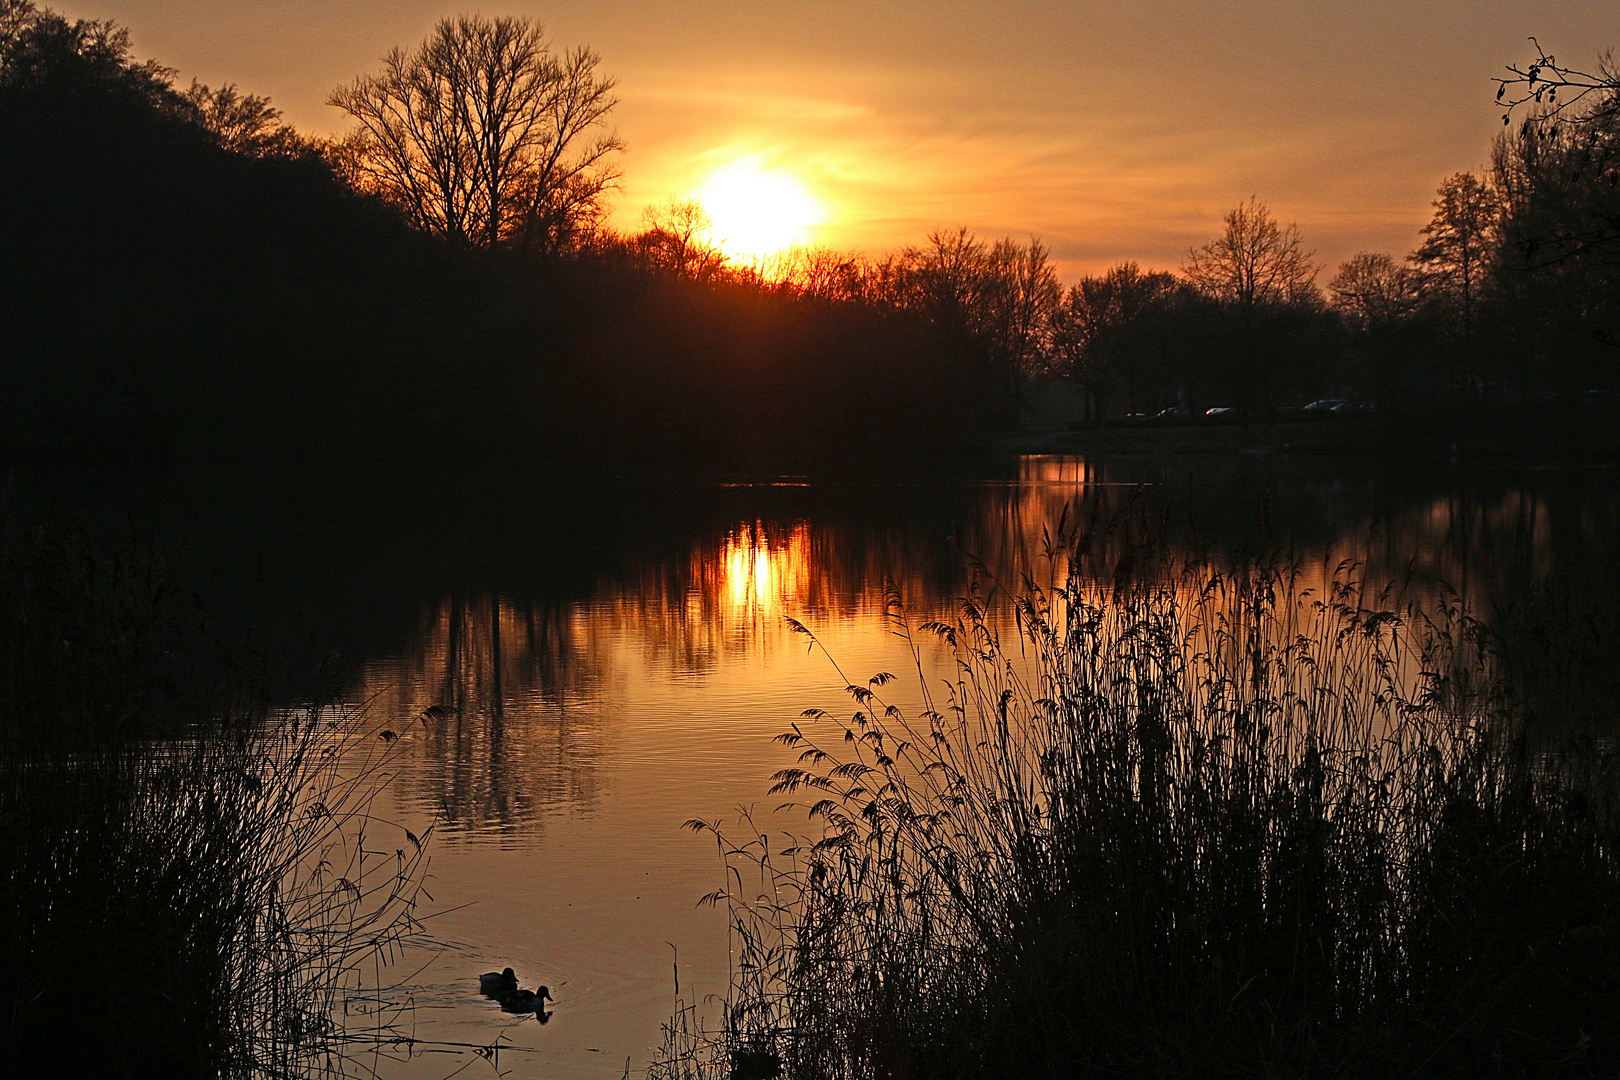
{"x":193,"y":883}
{"x":1173,"y":817}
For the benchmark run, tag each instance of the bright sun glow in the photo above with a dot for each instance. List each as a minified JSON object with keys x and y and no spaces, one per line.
{"x":756,"y":212}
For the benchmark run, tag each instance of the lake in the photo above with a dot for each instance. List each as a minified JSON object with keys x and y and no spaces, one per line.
{"x":580,"y":709}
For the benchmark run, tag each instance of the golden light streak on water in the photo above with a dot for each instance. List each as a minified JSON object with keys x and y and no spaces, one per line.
{"x":570,"y":741}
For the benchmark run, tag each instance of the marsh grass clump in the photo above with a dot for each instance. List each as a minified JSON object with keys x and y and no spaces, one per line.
{"x":190,"y":881}
{"x":1169,"y":816}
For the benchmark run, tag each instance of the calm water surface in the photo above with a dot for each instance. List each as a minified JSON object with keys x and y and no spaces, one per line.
{"x":576,"y":731}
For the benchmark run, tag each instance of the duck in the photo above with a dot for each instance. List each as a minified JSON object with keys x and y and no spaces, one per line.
{"x":527,"y":1000}
{"x":495,"y":983}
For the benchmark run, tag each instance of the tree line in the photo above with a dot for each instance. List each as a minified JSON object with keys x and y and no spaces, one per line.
{"x":184,"y":277}
{"x":492,"y":144}
{"x":1510,"y":297}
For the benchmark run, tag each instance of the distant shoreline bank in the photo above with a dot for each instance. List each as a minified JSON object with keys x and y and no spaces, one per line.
{"x":1582,"y":441}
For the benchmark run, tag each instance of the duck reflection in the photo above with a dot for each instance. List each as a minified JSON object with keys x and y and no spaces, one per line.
{"x":527,"y":1001}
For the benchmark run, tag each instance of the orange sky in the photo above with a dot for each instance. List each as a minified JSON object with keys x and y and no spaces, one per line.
{"x":1112,"y":130}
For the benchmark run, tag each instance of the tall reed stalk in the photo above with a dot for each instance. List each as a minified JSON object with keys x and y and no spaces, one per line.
{"x":1168,"y":816}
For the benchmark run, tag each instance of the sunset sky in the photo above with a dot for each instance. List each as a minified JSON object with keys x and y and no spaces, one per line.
{"x":1111,"y":130}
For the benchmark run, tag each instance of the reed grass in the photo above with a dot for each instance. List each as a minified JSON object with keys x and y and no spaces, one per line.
{"x":192,"y":883}
{"x":1171,"y":816}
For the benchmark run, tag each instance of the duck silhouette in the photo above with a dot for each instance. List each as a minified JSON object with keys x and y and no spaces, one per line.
{"x":496,"y":983}
{"x":522,"y":1001}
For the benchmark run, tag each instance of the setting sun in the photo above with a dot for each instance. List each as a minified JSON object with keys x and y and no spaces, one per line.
{"x":756,"y":212}
{"x":1099,"y":516}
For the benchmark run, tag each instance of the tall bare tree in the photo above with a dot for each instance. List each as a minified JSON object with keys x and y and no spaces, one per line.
{"x":1257,"y":269}
{"x":1457,"y":257}
{"x":1023,"y":291}
{"x":1254,"y":262}
{"x":484,"y":136}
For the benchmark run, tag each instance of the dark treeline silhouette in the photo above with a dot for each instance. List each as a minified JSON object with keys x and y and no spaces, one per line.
{"x":1504,"y":319}
{"x":1508,"y":310}
{"x":164,"y":291}
{"x":1509,"y":307}
{"x":185,"y":276}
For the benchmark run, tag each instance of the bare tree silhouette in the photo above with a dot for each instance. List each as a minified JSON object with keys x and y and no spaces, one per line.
{"x":484,"y":136}
{"x":1461,"y":249}
{"x":1256,"y":267}
{"x":1255,"y":261}
{"x":677,"y":239}
{"x":1372,"y":289}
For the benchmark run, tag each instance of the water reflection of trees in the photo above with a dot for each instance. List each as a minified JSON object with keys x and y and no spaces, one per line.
{"x":501,"y":700}
{"x":499,"y":710}
{"x":505,"y":697}
{"x":1492,"y":536}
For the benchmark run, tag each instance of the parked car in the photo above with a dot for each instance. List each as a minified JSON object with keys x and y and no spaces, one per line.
{"x":1221,"y":410}
{"x":1328,"y":404}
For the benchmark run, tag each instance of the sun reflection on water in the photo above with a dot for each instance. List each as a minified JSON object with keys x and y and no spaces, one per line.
{"x":560,"y":743}
{"x":764,"y":575}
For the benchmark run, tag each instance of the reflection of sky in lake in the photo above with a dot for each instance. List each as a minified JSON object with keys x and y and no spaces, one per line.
{"x":561,"y":745}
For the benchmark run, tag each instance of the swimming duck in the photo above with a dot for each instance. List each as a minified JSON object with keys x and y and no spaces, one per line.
{"x":526,"y":1000}
{"x":498,"y":982}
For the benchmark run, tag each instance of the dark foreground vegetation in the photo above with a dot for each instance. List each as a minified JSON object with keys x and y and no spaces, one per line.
{"x":1177,"y":817}
{"x":184,"y":887}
